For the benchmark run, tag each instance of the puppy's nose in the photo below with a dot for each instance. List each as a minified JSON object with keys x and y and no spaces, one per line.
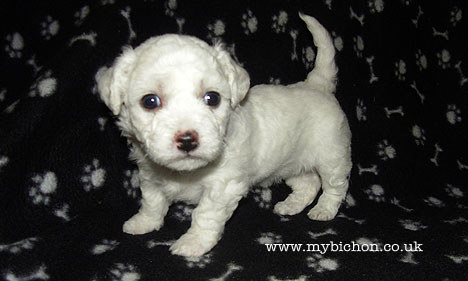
{"x":187,"y":141}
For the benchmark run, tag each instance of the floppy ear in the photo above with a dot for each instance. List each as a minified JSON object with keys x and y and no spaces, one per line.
{"x":113,"y":82}
{"x":238,"y":77}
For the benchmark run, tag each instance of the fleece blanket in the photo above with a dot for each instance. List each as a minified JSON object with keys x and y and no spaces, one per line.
{"x":67,"y":186}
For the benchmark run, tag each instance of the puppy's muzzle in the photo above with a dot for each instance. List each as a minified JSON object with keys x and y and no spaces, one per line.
{"x":187,"y":141}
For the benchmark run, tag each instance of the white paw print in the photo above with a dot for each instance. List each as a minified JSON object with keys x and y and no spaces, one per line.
{"x":358,"y":45}
{"x":434,"y":202}
{"x":407,"y":2}
{"x":104,"y":246}
{"x":44,"y":86}
{"x":171,"y":6}
{"x":132,"y":183}
{"x":418,"y":134}
{"x":308,"y":57}
{"x":124,"y":272}
{"x":412,"y":225}
{"x":321,"y":264}
{"x":94,"y":176}
{"x":400,"y":70}
{"x":456,"y":15}
{"x":200,"y":262}
{"x":279,"y":22}
{"x":269,"y":238}
{"x":183,"y":212}
{"x":376,"y":193}
{"x":361,"y":110}
{"x":443,"y":59}
{"x":454,"y":191}
{"x":274,"y":81}
{"x":81,"y":15}
{"x":386,"y":151}
{"x":102,"y":123}
{"x":262,"y":195}
{"x":44,"y":186}
{"x":3,"y":161}
{"x":337,"y":41}
{"x":421,"y":60}
{"x":15,"y":45}
{"x":216,"y":29}
{"x":249,"y":22}
{"x":49,"y":27}
{"x":376,"y":6}
{"x":453,"y":114}
{"x":20,"y":246}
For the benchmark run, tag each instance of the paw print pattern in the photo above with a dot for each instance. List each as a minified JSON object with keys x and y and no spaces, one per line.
{"x":183,"y":212}
{"x":269,"y":238}
{"x":434,"y":202}
{"x":249,"y":22}
{"x":308,"y":57}
{"x":279,"y":22}
{"x":94,"y":176}
{"x":81,"y":15}
{"x":443,"y":59}
{"x":412,"y":225}
{"x":337,"y":41}
{"x":453,"y":114}
{"x":321,"y":264}
{"x":386,"y":151}
{"x":171,"y":6}
{"x":3,"y":161}
{"x":400,"y":70}
{"x":216,"y":29}
{"x":104,"y":246}
{"x":361,"y":110}
{"x":376,"y":193}
{"x":44,"y":186}
{"x":454,"y":192}
{"x":199,"y":262}
{"x":124,"y":272}
{"x":15,"y":45}
{"x":456,"y":15}
{"x":262,"y":196}
{"x":376,"y":6}
{"x":132,"y":183}
{"x":49,"y":27}
{"x":421,"y":60}
{"x":45,"y":86}
{"x":358,"y":45}
{"x":20,"y":246}
{"x":418,"y":134}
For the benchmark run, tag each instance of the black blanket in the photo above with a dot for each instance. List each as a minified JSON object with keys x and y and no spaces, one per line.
{"x":67,"y":186}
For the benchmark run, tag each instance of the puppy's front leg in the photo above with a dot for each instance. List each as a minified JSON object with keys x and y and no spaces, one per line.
{"x":208,"y":219}
{"x":154,"y":207}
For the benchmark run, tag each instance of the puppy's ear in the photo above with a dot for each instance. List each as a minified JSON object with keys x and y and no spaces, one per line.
{"x":113,"y":82}
{"x":238,"y":77}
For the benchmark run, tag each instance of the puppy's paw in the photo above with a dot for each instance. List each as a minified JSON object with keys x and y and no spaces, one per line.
{"x":320,"y":213}
{"x":141,"y":224}
{"x":288,"y":208}
{"x":192,"y":245}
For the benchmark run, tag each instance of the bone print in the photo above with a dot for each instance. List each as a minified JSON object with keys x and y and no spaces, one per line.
{"x":373,"y":78}
{"x":435,"y":159}
{"x":353,"y":15}
{"x":372,"y":169}
{"x":463,"y":78}
{"x":396,"y":111}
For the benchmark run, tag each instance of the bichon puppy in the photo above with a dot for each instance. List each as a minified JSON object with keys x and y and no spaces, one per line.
{"x":198,"y":137}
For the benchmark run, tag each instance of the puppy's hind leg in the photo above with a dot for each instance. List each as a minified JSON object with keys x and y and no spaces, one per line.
{"x":304,"y":189}
{"x":335,"y":186}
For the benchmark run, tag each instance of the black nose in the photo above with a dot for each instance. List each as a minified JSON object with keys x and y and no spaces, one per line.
{"x":187,"y":141}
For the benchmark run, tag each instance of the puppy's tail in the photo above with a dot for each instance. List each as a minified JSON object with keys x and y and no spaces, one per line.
{"x":324,"y":73}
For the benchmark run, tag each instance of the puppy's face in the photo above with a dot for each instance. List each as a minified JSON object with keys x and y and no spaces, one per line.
{"x":174,"y":95}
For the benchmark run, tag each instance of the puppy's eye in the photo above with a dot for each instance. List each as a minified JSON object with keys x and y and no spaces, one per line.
{"x":212,"y":98}
{"x":150,"y":101}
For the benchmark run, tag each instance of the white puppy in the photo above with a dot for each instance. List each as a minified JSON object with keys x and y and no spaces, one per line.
{"x":198,"y":137}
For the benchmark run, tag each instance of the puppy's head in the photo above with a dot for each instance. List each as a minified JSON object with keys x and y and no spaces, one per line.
{"x":174,"y":95}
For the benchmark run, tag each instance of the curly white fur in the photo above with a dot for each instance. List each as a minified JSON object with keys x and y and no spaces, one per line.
{"x":297,"y":132}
